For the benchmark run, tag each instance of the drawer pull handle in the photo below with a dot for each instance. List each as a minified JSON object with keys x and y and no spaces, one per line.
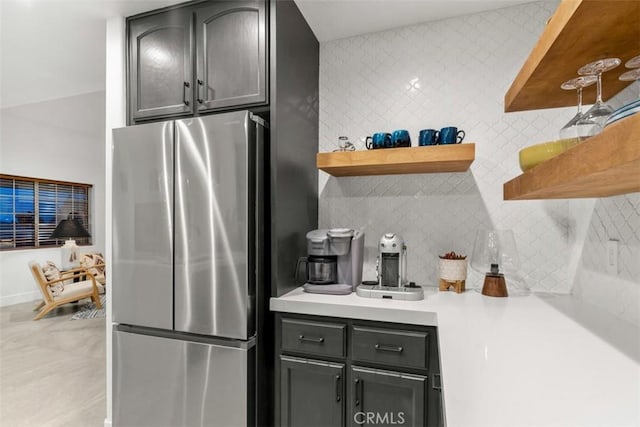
{"x":398,"y":349}
{"x":358,"y":385}
{"x":311,"y":339}
{"x":338,"y":389}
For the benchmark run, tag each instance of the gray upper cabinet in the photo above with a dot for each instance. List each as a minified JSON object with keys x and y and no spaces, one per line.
{"x":226,"y":42}
{"x":161,"y":65}
{"x":231,"y":54}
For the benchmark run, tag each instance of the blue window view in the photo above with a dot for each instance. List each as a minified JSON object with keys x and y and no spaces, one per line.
{"x":16,"y":213}
{"x":25,"y":224}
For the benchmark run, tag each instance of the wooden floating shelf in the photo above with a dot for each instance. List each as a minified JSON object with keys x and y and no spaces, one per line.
{"x":604,"y":165}
{"x":394,"y":161}
{"x":579,"y":32}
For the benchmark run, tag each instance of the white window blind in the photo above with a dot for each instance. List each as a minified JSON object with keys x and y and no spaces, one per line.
{"x":30,"y":209}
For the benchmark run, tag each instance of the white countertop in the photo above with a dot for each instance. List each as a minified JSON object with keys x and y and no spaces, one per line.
{"x":538,"y":360}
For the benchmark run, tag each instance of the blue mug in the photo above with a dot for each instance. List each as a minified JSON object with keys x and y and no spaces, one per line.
{"x":428,"y":137}
{"x":378,"y":140}
{"x":401,"y":138}
{"x":450,"y":135}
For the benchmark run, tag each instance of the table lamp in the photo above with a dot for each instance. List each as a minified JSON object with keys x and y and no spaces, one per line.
{"x":70,"y":228}
{"x":495,"y":253}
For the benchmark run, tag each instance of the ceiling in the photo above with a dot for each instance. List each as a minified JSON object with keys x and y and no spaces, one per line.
{"x":56,"y":48}
{"x":336,"y":19}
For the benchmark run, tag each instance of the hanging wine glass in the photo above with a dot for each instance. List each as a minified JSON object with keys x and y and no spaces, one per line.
{"x":632,"y":75}
{"x":632,"y":107}
{"x":592,"y":122}
{"x":633,"y":62}
{"x":570,"y":130}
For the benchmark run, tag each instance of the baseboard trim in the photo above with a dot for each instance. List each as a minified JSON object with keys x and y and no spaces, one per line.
{"x":20,"y":298}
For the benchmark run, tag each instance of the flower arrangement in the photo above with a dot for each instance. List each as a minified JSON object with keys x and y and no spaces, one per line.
{"x":452,"y":255}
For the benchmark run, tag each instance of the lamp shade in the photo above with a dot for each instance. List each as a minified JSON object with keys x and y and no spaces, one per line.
{"x":495,"y":247}
{"x":70,"y":228}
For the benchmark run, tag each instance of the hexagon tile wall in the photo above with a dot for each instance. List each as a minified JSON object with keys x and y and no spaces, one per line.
{"x":452,"y":72}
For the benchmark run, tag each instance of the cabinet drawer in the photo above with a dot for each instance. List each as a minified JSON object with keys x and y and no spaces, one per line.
{"x":327,"y":339}
{"x":390,"y":347}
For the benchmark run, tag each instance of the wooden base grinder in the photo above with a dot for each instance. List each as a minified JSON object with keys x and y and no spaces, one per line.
{"x":494,"y":283}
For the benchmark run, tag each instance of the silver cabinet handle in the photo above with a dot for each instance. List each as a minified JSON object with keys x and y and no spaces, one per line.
{"x":381,"y":347}
{"x":184,"y":93}
{"x":311,"y":339}
{"x":338,"y":388}
{"x":200,"y":85}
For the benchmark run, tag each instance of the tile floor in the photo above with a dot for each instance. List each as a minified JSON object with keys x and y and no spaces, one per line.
{"x":52,"y":372}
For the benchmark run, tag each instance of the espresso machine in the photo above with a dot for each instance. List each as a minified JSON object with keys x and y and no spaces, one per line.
{"x":391,"y":269}
{"x":333,"y":262}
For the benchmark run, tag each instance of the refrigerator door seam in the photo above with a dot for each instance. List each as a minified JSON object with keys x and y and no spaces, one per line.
{"x":182,"y":336}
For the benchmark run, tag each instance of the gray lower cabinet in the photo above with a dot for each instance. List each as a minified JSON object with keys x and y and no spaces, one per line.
{"x":392,"y":373}
{"x":160,"y":65}
{"x":312,"y":393}
{"x":231,"y":54}
{"x":386,"y":398}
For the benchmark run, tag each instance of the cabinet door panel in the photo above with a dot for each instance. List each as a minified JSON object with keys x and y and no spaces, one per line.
{"x":231,"y":54}
{"x":387,"y":398}
{"x":160,"y":65}
{"x":312,"y":393}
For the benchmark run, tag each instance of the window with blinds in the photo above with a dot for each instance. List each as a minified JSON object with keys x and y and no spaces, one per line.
{"x":30,"y":209}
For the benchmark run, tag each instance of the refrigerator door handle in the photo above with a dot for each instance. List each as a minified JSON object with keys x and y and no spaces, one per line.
{"x":259,"y":120}
{"x":259,"y":195}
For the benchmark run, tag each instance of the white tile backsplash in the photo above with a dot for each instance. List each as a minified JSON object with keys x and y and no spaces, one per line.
{"x":456,"y":72}
{"x":453,"y":72}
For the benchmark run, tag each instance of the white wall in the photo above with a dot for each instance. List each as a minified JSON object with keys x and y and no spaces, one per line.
{"x":115,"y":118}
{"x":63,"y":140}
{"x":453,"y":72}
{"x":613,"y":218}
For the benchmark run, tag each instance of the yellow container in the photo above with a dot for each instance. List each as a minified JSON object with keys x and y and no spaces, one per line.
{"x":536,"y":154}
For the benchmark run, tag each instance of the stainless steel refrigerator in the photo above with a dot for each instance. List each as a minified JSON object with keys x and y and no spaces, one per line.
{"x":187,"y":203}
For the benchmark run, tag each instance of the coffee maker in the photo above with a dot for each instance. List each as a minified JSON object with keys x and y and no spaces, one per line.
{"x":391,"y":269}
{"x":333,"y":262}
{"x":391,"y":264}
